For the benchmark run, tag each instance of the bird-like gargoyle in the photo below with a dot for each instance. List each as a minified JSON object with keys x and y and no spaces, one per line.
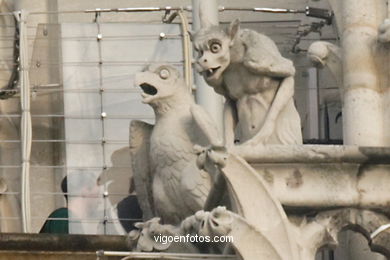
{"x":258,"y":83}
{"x":168,"y":182}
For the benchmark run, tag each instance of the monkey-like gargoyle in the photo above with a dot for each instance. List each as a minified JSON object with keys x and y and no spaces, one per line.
{"x":257,"y":82}
{"x":164,"y":159}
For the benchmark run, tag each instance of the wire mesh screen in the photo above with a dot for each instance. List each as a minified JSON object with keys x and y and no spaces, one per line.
{"x":83,"y":102}
{"x":10,"y":159}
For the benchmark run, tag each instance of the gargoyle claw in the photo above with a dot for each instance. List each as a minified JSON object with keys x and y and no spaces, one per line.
{"x":216,"y":154}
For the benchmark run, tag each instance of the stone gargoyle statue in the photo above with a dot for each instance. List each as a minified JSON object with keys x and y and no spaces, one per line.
{"x":247,"y":68}
{"x":168,"y":181}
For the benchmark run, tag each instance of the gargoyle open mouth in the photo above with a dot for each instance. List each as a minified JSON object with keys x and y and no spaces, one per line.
{"x":210,"y":72}
{"x":148,"y":89}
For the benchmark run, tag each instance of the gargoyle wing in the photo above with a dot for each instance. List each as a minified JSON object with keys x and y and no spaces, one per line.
{"x":272,"y":222}
{"x":206,"y":125}
{"x":263,"y":57}
{"x":140,"y":133}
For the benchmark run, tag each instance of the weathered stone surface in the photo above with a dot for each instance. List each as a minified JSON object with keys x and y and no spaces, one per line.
{"x":164,"y":158}
{"x":248,"y":70}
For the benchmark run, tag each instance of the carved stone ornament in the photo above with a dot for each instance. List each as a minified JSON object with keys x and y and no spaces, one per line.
{"x":258,"y":83}
{"x":167,"y":179}
{"x":325,"y":54}
{"x":260,"y":227}
{"x":143,"y":239}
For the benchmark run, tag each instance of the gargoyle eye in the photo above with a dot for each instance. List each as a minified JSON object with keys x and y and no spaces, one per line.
{"x":215,"y":47}
{"x":164,"y":73}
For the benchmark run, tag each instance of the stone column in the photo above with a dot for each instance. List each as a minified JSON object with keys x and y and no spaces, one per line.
{"x":362,"y":111}
{"x":363,"y":117}
{"x":205,"y":95}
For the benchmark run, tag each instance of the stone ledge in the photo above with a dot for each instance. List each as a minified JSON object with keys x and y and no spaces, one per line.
{"x":310,"y":154}
{"x":57,"y":242}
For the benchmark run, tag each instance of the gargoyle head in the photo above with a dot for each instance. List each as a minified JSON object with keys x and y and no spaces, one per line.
{"x":318,"y":53}
{"x":213,"y":46}
{"x":159,"y":82}
{"x":218,"y":222}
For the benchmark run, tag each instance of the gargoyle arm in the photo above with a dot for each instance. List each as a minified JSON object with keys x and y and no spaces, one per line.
{"x":230,"y":121}
{"x":284,"y":94}
{"x":140,"y":133}
{"x":270,"y":69}
{"x":206,"y":124}
{"x":263,"y":57}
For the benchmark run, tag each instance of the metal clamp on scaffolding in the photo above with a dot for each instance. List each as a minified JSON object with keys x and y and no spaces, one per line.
{"x":320,"y":13}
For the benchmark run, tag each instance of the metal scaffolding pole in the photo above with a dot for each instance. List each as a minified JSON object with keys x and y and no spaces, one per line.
{"x":205,"y":95}
{"x":25,"y":125}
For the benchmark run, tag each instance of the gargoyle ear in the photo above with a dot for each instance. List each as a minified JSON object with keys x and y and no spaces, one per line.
{"x":233,"y":28}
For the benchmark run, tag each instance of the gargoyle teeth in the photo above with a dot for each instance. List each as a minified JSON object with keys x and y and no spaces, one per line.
{"x":211,"y":71}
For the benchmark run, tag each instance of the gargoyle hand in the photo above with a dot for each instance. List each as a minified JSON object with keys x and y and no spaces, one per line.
{"x":214,"y":154}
